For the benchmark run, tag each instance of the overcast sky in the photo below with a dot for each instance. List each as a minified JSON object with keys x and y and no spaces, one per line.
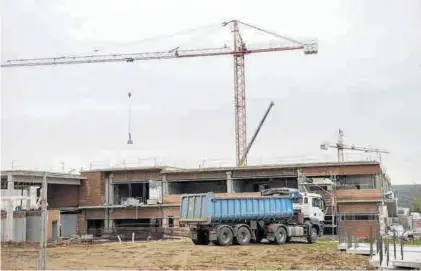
{"x":366,"y":80}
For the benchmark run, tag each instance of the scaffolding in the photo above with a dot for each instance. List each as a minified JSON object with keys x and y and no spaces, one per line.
{"x":328,"y":186}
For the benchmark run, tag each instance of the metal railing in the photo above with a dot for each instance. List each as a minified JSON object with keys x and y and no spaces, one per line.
{"x":384,"y":246}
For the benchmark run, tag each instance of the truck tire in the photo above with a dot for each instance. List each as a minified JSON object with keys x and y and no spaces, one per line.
{"x":280,"y":236}
{"x":243,"y":236}
{"x":313,"y":236}
{"x":202,"y":238}
{"x":224,"y":236}
{"x":259,"y":236}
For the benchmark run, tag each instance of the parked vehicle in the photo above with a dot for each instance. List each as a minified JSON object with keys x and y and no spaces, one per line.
{"x":278,"y":215}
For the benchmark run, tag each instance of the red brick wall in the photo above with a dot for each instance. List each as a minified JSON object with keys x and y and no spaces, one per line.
{"x":358,"y":194}
{"x":59,"y":196}
{"x":91,"y":191}
{"x":95,"y":213}
{"x":342,"y":170}
{"x":358,"y":228}
{"x":81,"y":223}
{"x":16,"y":214}
{"x":358,"y":208}
{"x":132,"y":213}
{"x":144,"y":175}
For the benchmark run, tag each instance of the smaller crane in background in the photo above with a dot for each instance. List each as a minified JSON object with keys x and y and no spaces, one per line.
{"x":340,"y":146}
{"x":244,"y":157}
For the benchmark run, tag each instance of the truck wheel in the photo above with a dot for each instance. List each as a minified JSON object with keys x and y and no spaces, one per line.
{"x":259,"y":236}
{"x":243,"y":236}
{"x":202,"y":238}
{"x":196,"y":241}
{"x":280,"y":236}
{"x":313,"y":236}
{"x":224,"y":236}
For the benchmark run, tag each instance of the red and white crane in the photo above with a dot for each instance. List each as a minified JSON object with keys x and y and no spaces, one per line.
{"x":238,"y":52}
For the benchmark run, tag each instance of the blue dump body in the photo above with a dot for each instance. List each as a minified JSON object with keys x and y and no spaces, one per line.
{"x":207,"y":209}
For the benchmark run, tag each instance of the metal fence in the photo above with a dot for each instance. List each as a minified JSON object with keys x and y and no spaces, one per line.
{"x":385,"y":247}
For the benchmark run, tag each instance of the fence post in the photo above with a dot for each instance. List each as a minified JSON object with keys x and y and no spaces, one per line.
{"x":371,"y":241}
{"x":387,"y":253}
{"x":349,"y":240}
{"x":381,"y":250}
{"x":394,"y":244}
{"x":401,"y":248}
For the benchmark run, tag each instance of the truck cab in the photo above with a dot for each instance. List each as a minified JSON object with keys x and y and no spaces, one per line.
{"x":310,"y":205}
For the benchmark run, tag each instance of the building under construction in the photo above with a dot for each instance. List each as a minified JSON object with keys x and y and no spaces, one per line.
{"x":103,"y":201}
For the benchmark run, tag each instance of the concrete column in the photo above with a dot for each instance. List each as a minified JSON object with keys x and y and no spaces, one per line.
{"x":106,"y":192}
{"x":108,"y":222}
{"x":230,"y":187}
{"x":111,"y":189}
{"x":164,"y":185}
{"x":165,"y":219}
{"x":9,"y":218}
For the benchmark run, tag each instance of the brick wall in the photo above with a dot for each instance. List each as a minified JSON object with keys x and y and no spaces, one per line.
{"x":91,"y":191}
{"x":176,"y":199}
{"x":144,"y":175}
{"x":81,"y":223}
{"x":95,"y":213}
{"x":132,"y":213}
{"x":358,"y":194}
{"x":358,"y":208}
{"x":358,"y":228}
{"x":16,"y":214}
{"x":59,"y":196}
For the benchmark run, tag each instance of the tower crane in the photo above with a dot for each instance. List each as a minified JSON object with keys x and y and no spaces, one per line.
{"x":340,"y":146}
{"x":238,"y":51}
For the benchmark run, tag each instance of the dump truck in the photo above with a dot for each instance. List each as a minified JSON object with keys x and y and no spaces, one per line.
{"x":277,"y":215}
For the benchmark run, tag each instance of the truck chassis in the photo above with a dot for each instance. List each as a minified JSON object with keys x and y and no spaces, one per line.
{"x":276,"y":232}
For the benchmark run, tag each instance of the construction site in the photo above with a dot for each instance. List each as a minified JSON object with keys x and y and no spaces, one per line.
{"x":131,"y":217}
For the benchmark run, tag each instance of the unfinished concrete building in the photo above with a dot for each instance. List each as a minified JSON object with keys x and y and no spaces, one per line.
{"x":150,"y":196}
{"x":21,"y":215}
{"x":106,"y":200}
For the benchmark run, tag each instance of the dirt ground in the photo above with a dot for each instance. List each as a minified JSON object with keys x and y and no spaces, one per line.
{"x":184,"y":255}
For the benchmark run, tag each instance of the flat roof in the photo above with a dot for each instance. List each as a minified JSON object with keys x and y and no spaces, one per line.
{"x":139,"y":168}
{"x":272,"y":166}
{"x":40,"y":173}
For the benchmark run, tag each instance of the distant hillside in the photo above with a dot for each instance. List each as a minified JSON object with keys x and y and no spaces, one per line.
{"x":405,"y":192}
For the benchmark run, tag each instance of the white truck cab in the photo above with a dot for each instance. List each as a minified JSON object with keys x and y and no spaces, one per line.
{"x":311,"y":205}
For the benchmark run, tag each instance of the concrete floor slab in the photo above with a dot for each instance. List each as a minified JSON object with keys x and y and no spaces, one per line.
{"x":411,"y":256}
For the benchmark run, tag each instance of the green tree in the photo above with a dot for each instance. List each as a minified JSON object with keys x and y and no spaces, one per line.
{"x":415,"y":204}
{"x":415,"y":201}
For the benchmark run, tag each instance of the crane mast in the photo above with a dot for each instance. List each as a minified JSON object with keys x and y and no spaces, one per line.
{"x":340,"y":146}
{"x":238,"y":52}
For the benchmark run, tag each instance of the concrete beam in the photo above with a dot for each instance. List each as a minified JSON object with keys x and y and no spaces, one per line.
{"x":50,"y":180}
